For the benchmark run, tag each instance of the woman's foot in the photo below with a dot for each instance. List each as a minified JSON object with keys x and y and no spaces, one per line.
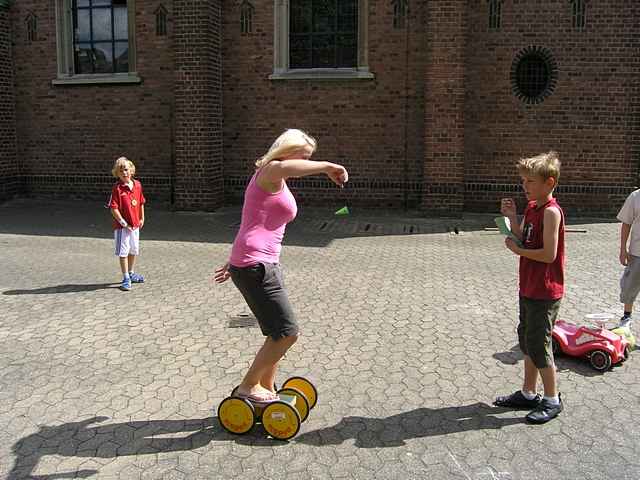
{"x":257,"y":394}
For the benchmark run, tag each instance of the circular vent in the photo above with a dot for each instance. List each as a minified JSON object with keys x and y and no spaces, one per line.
{"x":533,"y":74}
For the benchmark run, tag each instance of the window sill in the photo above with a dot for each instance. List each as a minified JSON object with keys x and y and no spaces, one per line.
{"x":97,"y":79}
{"x":323,"y":74}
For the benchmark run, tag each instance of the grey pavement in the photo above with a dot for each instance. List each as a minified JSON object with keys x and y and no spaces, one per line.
{"x":408,"y":334}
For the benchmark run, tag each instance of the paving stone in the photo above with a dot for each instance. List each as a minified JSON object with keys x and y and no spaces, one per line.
{"x":408,"y":338}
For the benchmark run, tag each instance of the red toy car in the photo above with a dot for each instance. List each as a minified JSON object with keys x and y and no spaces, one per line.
{"x":602,"y":347}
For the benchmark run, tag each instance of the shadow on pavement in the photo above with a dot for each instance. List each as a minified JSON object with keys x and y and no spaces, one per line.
{"x":422,"y":422}
{"x":314,"y":226}
{"x":80,"y":439}
{"x":563,"y":362}
{"x":67,"y":288}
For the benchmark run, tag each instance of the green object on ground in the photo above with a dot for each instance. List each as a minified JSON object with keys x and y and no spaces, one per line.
{"x":504,"y":225}
{"x":343,"y":211}
{"x":626,"y":333}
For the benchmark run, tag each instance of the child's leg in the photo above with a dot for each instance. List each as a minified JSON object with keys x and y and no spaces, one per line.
{"x":132,"y":261}
{"x":124,"y":265}
{"x":548,"y":375}
{"x":530,"y":375}
{"x":264,"y":366}
{"x":629,"y":288}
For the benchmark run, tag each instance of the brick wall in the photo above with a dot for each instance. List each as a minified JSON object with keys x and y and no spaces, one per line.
{"x":9,"y":181}
{"x":373,"y":127}
{"x":591,"y":118}
{"x":69,"y":136}
{"x":444,"y":132}
{"x":438,"y":127}
{"x":198,"y":94}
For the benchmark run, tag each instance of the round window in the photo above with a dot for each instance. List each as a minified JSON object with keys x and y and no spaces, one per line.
{"x":533,"y":74}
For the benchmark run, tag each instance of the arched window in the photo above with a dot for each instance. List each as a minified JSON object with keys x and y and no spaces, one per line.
{"x":31,"y":23}
{"x":400,"y":11}
{"x":495,"y":14}
{"x":246,"y":17}
{"x":161,"y":21}
{"x":579,"y":14}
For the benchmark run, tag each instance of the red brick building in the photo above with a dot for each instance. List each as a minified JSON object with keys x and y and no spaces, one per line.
{"x":428,"y":103}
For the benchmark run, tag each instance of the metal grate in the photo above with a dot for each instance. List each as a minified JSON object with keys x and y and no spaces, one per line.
{"x":532,"y":75}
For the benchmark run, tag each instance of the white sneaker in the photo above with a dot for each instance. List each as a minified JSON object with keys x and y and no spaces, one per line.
{"x":625,"y":322}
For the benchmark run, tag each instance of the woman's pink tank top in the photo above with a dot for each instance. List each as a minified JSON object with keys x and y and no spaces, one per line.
{"x":264,"y":218}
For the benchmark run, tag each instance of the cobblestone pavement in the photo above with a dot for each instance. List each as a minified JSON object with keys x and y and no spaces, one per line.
{"x":408,"y":334}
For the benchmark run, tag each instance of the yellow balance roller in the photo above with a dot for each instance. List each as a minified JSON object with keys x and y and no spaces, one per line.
{"x":236,"y":415}
{"x":280,"y":419}
{"x":305,"y":386}
{"x":301,"y":403}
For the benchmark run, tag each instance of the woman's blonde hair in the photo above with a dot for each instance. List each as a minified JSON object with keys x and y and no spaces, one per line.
{"x":291,"y":141}
{"x":121,"y":162}
{"x":546,"y":165}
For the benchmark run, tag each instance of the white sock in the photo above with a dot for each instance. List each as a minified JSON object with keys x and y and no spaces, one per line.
{"x":528,"y":395}
{"x":552,"y":400}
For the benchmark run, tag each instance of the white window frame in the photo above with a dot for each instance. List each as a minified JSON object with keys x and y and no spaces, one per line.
{"x":281,"y":70}
{"x":64,"y":43}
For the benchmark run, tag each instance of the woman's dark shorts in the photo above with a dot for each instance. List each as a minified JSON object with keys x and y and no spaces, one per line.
{"x":262,"y":286}
{"x":537,"y":318}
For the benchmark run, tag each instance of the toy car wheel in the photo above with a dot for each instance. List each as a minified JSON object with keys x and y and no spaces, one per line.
{"x":555,"y":346}
{"x":281,"y":420}
{"x":626,"y":354}
{"x":600,"y":360}
{"x":236,"y":415}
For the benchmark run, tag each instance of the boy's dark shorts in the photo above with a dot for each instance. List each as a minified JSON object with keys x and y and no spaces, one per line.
{"x":537,"y":318}
{"x":262,"y":286}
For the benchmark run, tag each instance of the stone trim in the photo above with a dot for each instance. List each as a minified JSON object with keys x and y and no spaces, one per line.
{"x":97,"y":79}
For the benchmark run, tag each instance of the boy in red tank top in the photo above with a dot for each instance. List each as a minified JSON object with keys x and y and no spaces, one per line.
{"x":541,"y":284}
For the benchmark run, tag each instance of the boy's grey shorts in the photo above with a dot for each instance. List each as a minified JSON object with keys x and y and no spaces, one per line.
{"x":630,"y":281}
{"x":262,"y":286}
{"x":537,"y":318}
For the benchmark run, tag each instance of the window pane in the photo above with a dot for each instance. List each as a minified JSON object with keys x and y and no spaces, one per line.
{"x":103,"y":53}
{"x":83,"y":3}
{"x":347,"y":16}
{"x":300,"y":16}
{"x":100,"y":2}
{"x":101,"y":24}
{"x":84,"y":58}
{"x":300,"y":51}
{"x":324,"y":51}
{"x":122,"y":57}
{"x":324,"y":16}
{"x":83,"y":30}
{"x":347,"y":51}
{"x":121,"y":26}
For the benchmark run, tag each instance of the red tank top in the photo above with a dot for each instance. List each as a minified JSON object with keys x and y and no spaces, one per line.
{"x":539,"y":280}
